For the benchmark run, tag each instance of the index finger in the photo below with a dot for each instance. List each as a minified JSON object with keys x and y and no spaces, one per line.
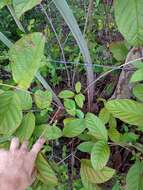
{"x":37,"y":146}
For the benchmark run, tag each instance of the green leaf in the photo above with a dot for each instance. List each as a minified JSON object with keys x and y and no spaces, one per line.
{"x":78,"y":87}
{"x":43,"y":99}
{"x":45,"y":172}
{"x":114,"y":134}
{"x":66,"y":94}
{"x":134,"y":180}
{"x":104,"y":115}
{"x":70,"y":106}
{"x":116,"y":186}
{"x":100,"y":155}
{"x":137,"y":76}
{"x":21,"y":6}
{"x":48,"y":132}
{"x":10,"y":112}
{"x":126,"y":110}
{"x":96,"y":127}
{"x":129,"y":138}
{"x":25,"y":56}
{"x":138,"y":91}
{"x":85,"y":146}
{"x":79,"y":99}
{"x":73,"y":127}
{"x":25,"y":98}
{"x":25,"y":131}
{"x":129,"y":18}
{"x":93,"y":176}
{"x":4,"y":3}
{"x":119,"y":50}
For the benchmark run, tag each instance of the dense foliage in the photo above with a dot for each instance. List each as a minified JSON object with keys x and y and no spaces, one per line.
{"x":72,"y":72}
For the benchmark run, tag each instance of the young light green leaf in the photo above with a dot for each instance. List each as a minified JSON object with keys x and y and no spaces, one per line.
{"x":25,"y":131}
{"x":21,"y":6}
{"x":129,"y":18}
{"x":48,"y":132}
{"x":79,"y":99}
{"x":78,"y":87}
{"x":96,"y":126}
{"x":104,"y":115}
{"x":70,"y":106}
{"x":126,"y":110}
{"x":137,"y":76}
{"x":4,"y":3}
{"x":119,"y":50}
{"x":43,"y":99}
{"x":114,"y":134}
{"x":134,"y":180}
{"x":25,"y":57}
{"x":85,"y":146}
{"x":25,"y":98}
{"x":93,"y":176}
{"x":66,"y":94}
{"x":138,"y":91}
{"x":100,"y":155}
{"x":73,"y":127}
{"x":45,"y":172}
{"x":10,"y":112}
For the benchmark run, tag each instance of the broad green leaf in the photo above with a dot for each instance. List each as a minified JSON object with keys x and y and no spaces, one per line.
{"x":114,"y":134}
{"x":43,"y":99}
{"x":25,"y":56}
{"x":116,"y":186}
{"x":138,"y":91}
{"x":78,"y":87}
{"x":21,"y":6}
{"x":129,"y":138}
{"x":119,"y":50}
{"x":96,"y":126}
{"x":45,"y":172}
{"x":25,"y":131}
{"x":128,"y":15}
{"x":134,"y":180}
{"x":10,"y":112}
{"x":79,"y":114}
{"x":138,"y":64}
{"x":85,"y":146}
{"x":137,"y":76}
{"x":100,"y":155}
{"x":48,"y":132}
{"x":4,"y":3}
{"x":66,"y":94}
{"x":104,"y":115}
{"x":93,"y":176}
{"x":126,"y":110}
{"x":79,"y":99}
{"x":25,"y":98}
{"x":73,"y":127}
{"x":70,"y":106}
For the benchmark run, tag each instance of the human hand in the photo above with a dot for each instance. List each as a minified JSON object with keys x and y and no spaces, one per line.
{"x":17,"y":165}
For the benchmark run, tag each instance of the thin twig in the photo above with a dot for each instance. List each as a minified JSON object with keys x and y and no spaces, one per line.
{"x":58,"y":40}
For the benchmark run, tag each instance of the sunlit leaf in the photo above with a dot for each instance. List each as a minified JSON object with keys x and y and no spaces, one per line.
{"x":25,"y":99}
{"x":129,"y":18}
{"x":100,"y":155}
{"x":96,"y":126}
{"x":93,"y":176}
{"x":10,"y":112}
{"x":25,"y":131}
{"x":66,"y":94}
{"x":126,"y":110}
{"x":134,"y":180}
{"x":25,"y":57}
{"x":21,"y":6}
{"x":138,"y":91}
{"x":79,"y":99}
{"x":85,"y":146}
{"x":73,"y":127}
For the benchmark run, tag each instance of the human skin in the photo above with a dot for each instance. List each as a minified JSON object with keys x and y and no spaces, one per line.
{"x":17,"y":165}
